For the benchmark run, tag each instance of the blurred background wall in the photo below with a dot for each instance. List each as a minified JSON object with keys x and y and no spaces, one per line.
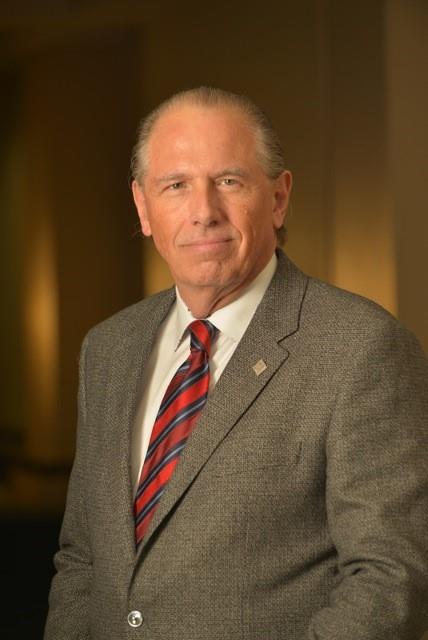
{"x":344,"y":83}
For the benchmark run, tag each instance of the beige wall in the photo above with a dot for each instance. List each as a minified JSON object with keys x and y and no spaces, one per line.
{"x":407,"y":109}
{"x":79,"y":256}
{"x":362,"y":247}
{"x":344,"y":85}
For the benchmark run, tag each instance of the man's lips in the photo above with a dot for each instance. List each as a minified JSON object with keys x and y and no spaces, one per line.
{"x":206,"y":243}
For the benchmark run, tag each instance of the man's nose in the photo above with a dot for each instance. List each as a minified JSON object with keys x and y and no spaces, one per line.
{"x":206,"y":206}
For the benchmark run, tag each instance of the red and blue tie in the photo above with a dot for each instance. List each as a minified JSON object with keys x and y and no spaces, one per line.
{"x":181,"y":405}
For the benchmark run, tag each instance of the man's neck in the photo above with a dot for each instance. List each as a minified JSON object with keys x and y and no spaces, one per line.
{"x":205,"y":300}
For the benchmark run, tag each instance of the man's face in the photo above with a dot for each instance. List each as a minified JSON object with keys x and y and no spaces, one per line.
{"x":207,"y":203}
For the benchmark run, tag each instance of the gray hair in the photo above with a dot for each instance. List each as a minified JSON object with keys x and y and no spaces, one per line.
{"x":268,"y":145}
{"x":269,"y":148}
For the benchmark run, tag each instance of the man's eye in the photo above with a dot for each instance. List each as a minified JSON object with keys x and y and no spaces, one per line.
{"x":175,"y":186}
{"x":229,"y":182}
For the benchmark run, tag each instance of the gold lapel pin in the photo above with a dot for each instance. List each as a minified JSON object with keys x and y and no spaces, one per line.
{"x":259,"y":367}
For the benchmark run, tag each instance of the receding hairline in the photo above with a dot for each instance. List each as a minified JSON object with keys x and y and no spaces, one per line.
{"x":175,"y":108}
{"x":188,"y":101}
{"x":268,"y":147}
{"x":198,"y":106}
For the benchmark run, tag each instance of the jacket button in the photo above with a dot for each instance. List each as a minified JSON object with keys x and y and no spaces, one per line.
{"x":135,"y":619}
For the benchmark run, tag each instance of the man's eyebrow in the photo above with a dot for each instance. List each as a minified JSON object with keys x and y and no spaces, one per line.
{"x":171,"y":177}
{"x":180,"y":176}
{"x":231,"y":171}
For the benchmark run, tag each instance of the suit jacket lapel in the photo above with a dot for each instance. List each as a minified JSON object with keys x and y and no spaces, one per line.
{"x":276,"y":318}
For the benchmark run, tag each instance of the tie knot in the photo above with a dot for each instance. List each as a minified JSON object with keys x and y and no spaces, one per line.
{"x":202,"y":333}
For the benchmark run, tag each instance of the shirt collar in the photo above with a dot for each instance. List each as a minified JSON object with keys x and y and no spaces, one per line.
{"x":225,"y":319}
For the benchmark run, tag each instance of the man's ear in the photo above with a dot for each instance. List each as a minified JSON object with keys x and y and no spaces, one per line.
{"x":140,"y":203}
{"x":283,"y":186}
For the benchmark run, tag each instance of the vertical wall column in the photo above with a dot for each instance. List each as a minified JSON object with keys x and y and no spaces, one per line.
{"x":80,"y":252}
{"x":407,"y":93}
{"x":362,"y":257}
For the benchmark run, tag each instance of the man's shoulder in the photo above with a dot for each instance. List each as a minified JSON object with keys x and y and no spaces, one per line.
{"x":322,"y":304}
{"x":133,"y":318}
{"x":336,"y":314}
{"x":340,"y":304}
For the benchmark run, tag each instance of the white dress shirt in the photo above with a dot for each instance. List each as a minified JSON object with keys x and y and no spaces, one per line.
{"x":172,"y":347}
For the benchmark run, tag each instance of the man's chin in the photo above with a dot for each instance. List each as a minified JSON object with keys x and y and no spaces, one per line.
{"x":207,"y":274}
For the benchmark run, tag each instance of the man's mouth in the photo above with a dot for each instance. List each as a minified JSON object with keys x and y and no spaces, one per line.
{"x":206,"y":242}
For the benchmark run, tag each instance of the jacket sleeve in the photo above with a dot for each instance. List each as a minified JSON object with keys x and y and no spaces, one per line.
{"x":69,"y":595}
{"x":377,"y":493}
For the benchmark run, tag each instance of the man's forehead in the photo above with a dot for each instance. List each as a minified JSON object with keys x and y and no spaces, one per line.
{"x":177,"y":118}
{"x":189,"y":138}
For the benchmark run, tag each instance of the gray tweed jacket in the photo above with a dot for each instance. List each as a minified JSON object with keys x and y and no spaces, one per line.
{"x":299,"y":508}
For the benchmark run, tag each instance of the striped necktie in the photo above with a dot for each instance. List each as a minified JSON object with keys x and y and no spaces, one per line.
{"x":180,"y":407}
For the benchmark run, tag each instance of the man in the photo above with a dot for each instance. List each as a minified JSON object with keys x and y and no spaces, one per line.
{"x":294,"y":503}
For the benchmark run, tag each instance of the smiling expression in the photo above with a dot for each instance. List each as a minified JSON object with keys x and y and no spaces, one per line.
{"x":211,"y":209}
